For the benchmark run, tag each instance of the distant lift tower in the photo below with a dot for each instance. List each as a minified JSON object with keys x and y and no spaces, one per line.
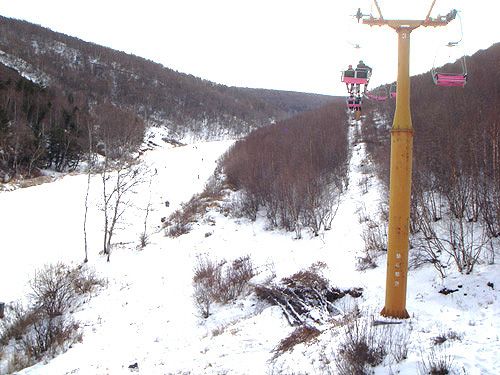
{"x":401,"y":160}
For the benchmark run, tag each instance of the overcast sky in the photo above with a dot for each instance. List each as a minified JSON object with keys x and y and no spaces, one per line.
{"x":274,"y":44}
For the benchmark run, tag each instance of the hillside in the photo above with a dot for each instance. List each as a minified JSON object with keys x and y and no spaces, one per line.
{"x":295,"y":170}
{"x":159,"y":95}
{"x":146,"y":319}
{"x":61,"y":95}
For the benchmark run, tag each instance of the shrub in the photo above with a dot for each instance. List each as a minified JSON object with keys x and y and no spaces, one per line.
{"x":245,"y":205}
{"x":300,"y":335}
{"x":179,"y":222}
{"x":443,"y":337}
{"x":45,"y":326}
{"x":399,"y":340}
{"x":237,"y":277}
{"x":47,"y":334}
{"x":16,"y":322}
{"x":375,"y":238}
{"x":219,"y":282}
{"x":36,"y":335}
{"x":85,"y":280}
{"x":437,"y":363}
{"x":16,"y":362}
{"x":207,"y":284}
{"x":143,"y":240}
{"x":56,"y":286}
{"x":363,"y":347}
{"x":177,"y":230}
{"x":214,"y":189}
{"x":53,"y":290}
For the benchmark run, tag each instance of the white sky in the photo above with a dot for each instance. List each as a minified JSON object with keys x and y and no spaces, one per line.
{"x":275,"y":44}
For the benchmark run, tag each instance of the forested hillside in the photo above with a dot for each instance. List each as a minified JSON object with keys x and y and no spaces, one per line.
{"x":295,"y":169}
{"x":48,"y":127}
{"x":71,"y":87}
{"x":456,"y":165}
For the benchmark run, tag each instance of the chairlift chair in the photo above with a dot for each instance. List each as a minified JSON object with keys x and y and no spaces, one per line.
{"x":377,"y":95}
{"x":354,"y":79}
{"x":357,"y":77}
{"x":381,"y":98}
{"x":445,"y":77}
{"x":451,"y":78}
{"x":393,"y":91}
{"x":354,"y":103}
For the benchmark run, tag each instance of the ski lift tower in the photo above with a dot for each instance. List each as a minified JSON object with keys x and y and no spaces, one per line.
{"x":401,"y":163}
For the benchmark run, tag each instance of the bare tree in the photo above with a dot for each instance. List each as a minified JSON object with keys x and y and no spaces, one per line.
{"x":466,"y":244}
{"x":120,"y":133}
{"x":144,"y":237}
{"x":90,"y":162}
{"x":117,"y":184}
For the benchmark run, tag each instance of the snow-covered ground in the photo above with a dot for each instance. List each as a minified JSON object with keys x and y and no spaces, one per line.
{"x":146,"y":314}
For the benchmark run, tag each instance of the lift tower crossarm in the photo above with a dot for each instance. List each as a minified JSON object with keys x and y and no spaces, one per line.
{"x":413,"y":24}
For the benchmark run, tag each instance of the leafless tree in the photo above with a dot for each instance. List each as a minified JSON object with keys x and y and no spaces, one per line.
{"x":118,"y":183}
{"x":144,"y":237}
{"x":120,"y":132}
{"x":90,"y":168}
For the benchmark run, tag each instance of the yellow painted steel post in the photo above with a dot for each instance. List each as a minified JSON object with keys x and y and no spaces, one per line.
{"x":400,"y":186}
{"x":401,"y":163}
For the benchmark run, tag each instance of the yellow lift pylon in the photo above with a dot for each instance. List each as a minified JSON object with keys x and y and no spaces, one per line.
{"x":401,"y":163}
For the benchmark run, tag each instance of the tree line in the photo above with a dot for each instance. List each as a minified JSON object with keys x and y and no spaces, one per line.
{"x":49,"y":128}
{"x":294,"y":170}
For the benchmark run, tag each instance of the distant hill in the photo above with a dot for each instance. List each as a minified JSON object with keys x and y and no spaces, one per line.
{"x":159,"y":95}
{"x":55,"y":89}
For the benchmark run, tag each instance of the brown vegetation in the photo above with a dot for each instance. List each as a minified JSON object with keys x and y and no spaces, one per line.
{"x":301,"y":335}
{"x":305,"y":297}
{"x":220,"y":282}
{"x":48,"y":128}
{"x":46,"y":327}
{"x":295,"y":169}
{"x":44,"y":122}
{"x":456,"y":161}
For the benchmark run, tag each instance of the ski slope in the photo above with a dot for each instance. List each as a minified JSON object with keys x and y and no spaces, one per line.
{"x":146,"y":314}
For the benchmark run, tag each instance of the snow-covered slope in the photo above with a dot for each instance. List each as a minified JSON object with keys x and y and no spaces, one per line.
{"x":146,"y":315}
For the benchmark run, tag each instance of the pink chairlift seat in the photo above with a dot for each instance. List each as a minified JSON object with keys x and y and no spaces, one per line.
{"x":450,"y":79}
{"x":359,"y":81}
